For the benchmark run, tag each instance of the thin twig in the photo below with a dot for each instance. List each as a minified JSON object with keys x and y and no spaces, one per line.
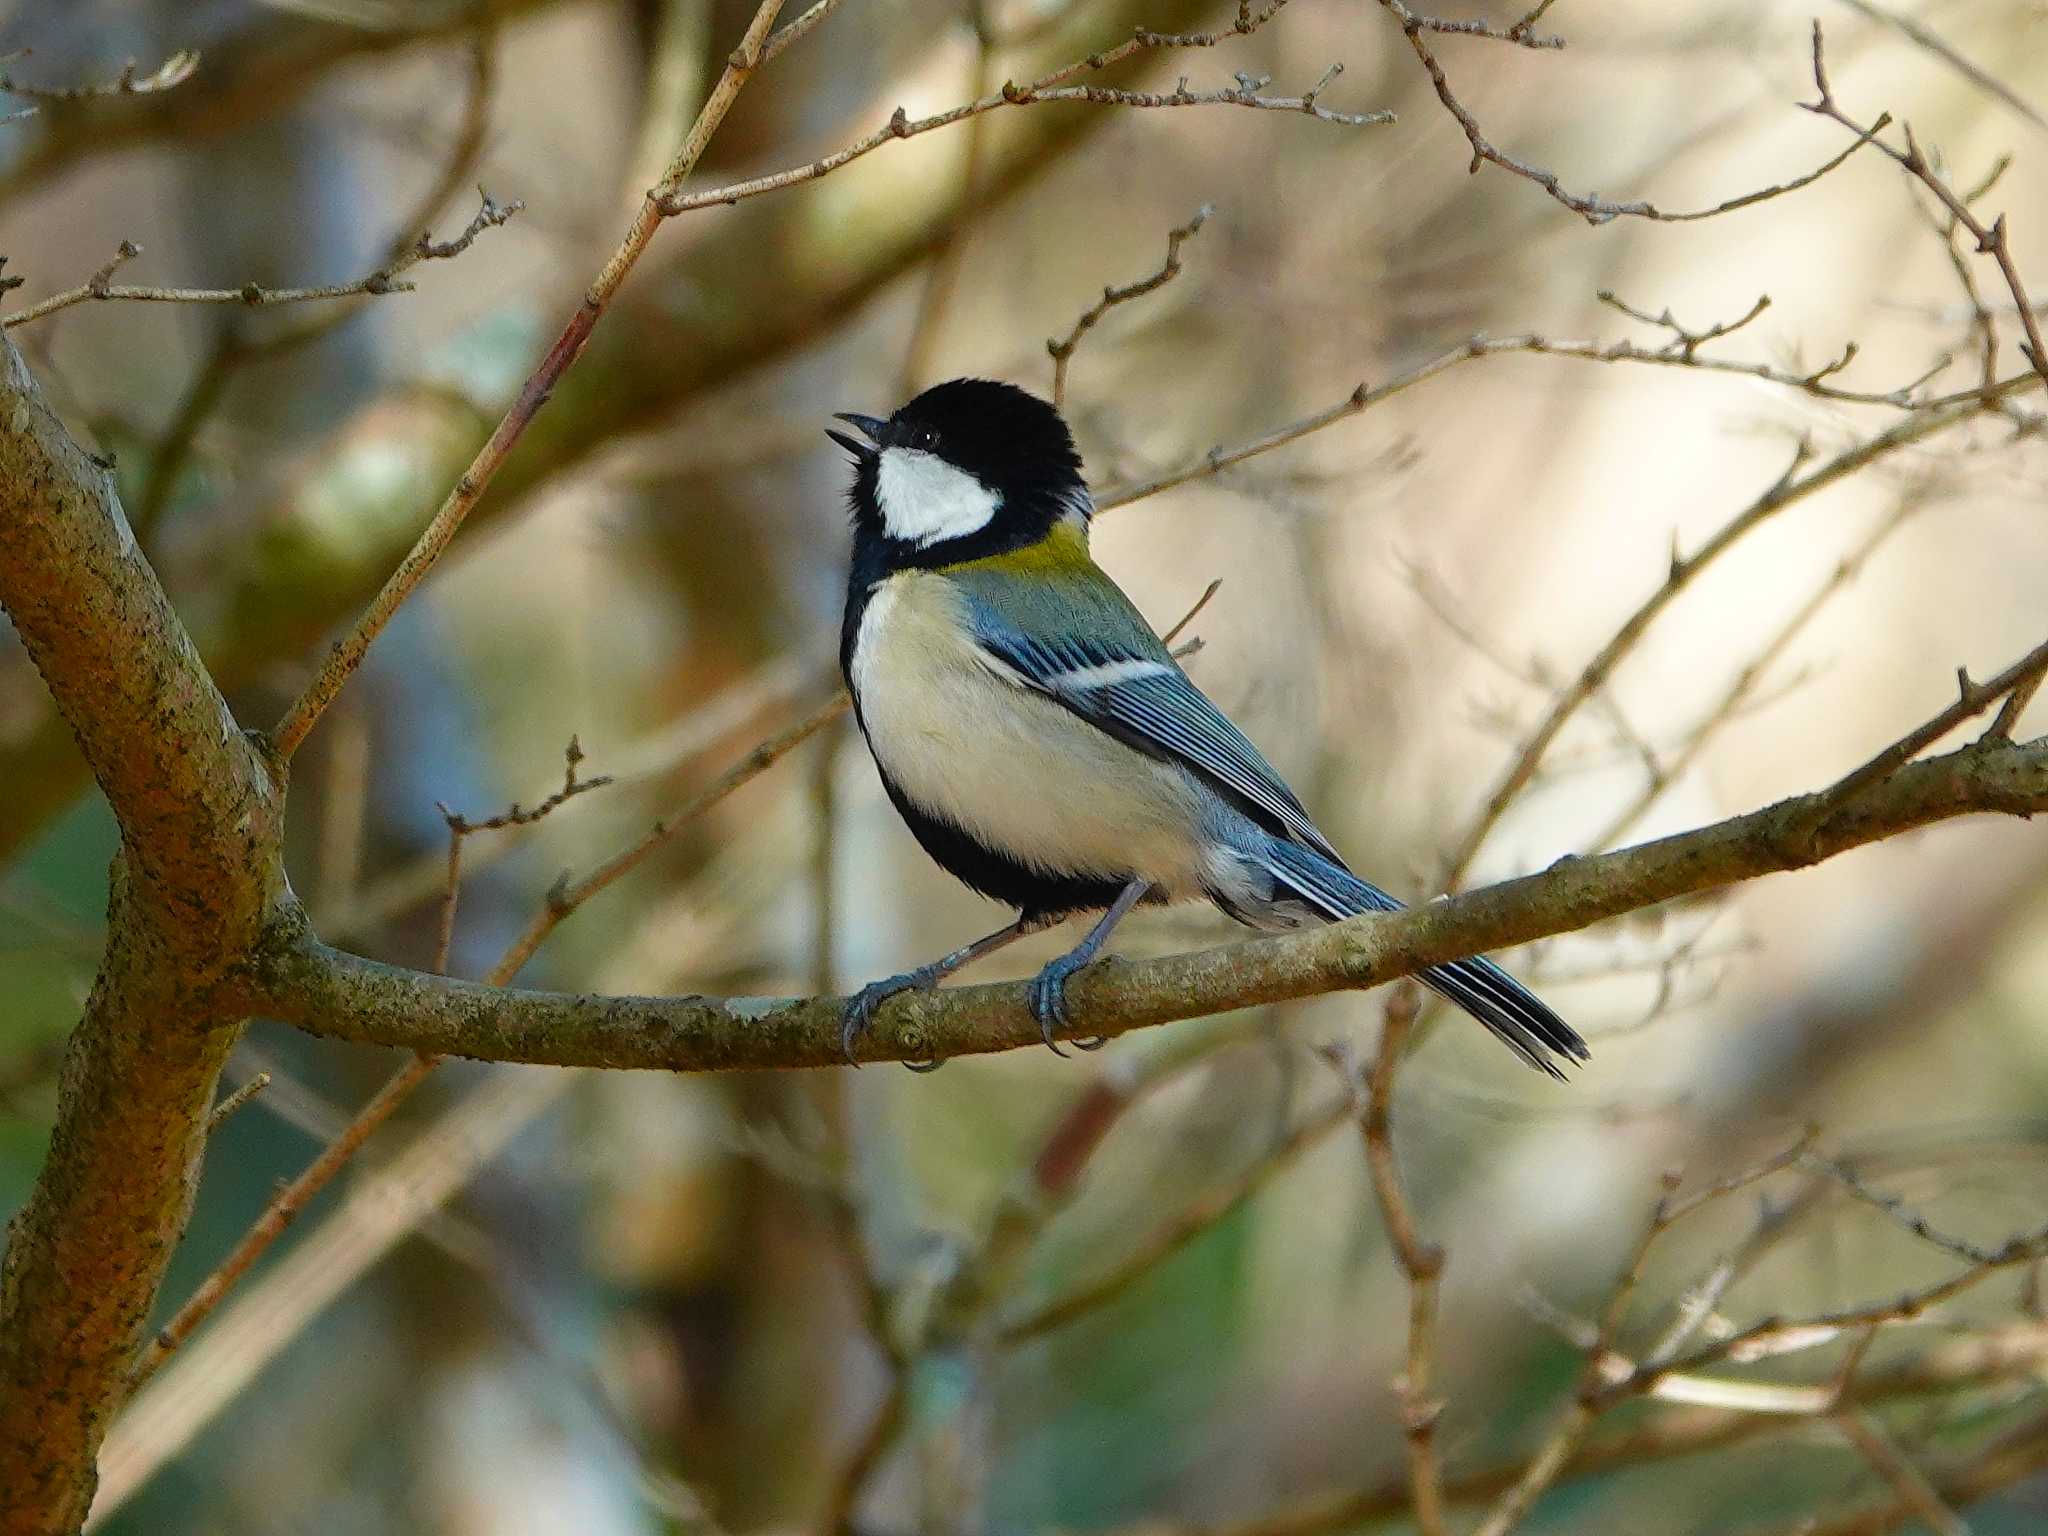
{"x":1046,"y":88}
{"x":1926,"y":37}
{"x":1421,"y":1261}
{"x":1991,"y":239}
{"x":1564,"y":1441}
{"x":1363,"y":398}
{"x":1889,"y":1462}
{"x":1968,"y":1364}
{"x":225,"y":1109}
{"x":1686,"y":342}
{"x":1061,"y":349}
{"x":566,"y":895}
{"x":1729,"y":705}
{"x":385,"y":279}
{"x":1791,"y":487}
{"x":1852,"y":1184}
{"x":289,"y":1202}
{"x":1593,"y":208}
{"x":277,"y":1217}
{"x":796,"y":30}
{"x":1171,"y":1237}
{"x":1972,"y":699}
{"x":1778,"y":1335}
{"x":1189,"y":617}
{"x":516,"y":816}
{"x":347,"y":654}
{"x":2015,"y":705}
{"x":173,"y":72}
{"x":461,"y":828}
{"x":659,"y":754}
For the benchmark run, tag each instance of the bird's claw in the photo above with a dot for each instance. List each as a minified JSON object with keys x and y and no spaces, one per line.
{"x":1049,"y":1003}
{"x":860,"y":1012}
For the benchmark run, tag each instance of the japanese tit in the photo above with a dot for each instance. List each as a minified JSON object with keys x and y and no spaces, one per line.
{"x":1038,"y":738}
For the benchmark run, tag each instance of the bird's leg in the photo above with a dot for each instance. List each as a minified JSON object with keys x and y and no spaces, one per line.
{"x":1049,"y":991}
{"x":860,"y":1008}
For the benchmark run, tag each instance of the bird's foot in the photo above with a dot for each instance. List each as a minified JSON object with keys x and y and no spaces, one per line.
{"x":860,"y":1010}
{"x":1049,"y":1000}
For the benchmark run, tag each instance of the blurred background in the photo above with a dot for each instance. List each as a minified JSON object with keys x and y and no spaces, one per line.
{"x":549,"y":1301}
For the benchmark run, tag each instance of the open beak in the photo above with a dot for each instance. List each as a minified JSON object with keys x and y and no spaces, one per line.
{"x":870,"y":427}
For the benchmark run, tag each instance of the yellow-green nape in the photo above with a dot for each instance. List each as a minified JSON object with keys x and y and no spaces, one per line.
{"x":1063,"y":549}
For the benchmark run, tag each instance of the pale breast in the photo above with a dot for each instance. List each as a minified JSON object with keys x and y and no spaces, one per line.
{"x":1023,"y":775}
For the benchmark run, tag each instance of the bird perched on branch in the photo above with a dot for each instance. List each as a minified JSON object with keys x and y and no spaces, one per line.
{"x":1036,"y":735}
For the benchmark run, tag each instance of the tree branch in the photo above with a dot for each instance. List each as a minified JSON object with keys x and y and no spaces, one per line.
{"x":1054,"y":86}
{"x":347,"y":654}
{"x":199,"y":815}
{"x":331,"y":993}
{"x":172,"y":73}
{"x":100,"y":286}
{"x":1591,"y":207}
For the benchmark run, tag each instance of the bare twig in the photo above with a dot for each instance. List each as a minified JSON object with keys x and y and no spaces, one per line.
{"x":1889,"y":1462}
{"x":1061,"y":349}
{"x":225,"y":1109}
{"x":2015,"y":705}
{"x":1565,"y":1439}
{"x":286,"y":1206}
{"x":1852,"y":1183}
{"x":1926,"y":37}
{"x":1740,"y":688}
{"x":1779,"y":1335}
{"x":1229,"y":455}
{"x":1686,"y":342}
{"x":763,"y":695}
{"x":1171,"y":1237}
{"x":1591,"y":207}
{"x":566,"y":895}
{"x":1421,"y":1261}
{"x":1991,"y":239}
{"x":384,"y":280}
{"x":797,"y":29}
{"x":1972,"y":699}
{"x":1964,"y":1364}
{"x":515,"y":816}
{"x":254,"y":296}
{"x":174,"y":71}
{"x":1190,"y":616}
{"x":1052,"y":87}
{"x":1521,"y":29}
{"x":347,"y":654}
{"x":1795,"y":484}
{"x":277,"y":1217}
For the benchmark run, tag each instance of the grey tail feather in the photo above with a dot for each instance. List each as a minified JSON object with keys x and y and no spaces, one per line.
{"x":1478,"y":986}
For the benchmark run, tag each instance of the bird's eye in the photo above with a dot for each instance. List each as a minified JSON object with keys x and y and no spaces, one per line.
{"x":923,"y":437}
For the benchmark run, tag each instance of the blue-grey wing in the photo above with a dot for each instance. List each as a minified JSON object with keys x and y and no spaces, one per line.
{"x":1133,"y":689}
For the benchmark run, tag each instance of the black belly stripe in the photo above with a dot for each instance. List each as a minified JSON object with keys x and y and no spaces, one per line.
{"x":1033,"y":892}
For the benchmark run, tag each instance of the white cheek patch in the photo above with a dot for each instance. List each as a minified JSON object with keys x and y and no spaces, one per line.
{"x":924,"y":499}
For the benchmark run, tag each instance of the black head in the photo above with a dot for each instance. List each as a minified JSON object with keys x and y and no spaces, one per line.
{"x":969,"y":468}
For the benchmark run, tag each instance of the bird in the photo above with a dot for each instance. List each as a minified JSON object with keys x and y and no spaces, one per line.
{"x":1041,"y":742}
